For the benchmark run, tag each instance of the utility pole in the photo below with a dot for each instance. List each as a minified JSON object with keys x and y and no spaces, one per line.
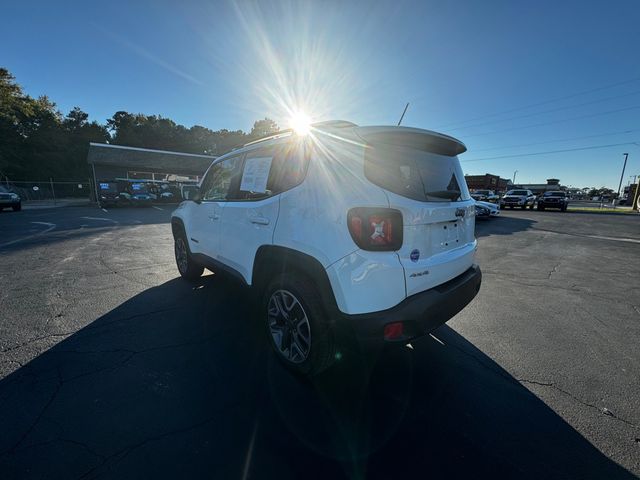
{"x":626,"y":155}
{"x":514,"y":177}
{"x":52,"y":190}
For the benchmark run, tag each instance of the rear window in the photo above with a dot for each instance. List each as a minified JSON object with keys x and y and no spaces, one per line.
{"x":412,"y":173}
{"x":517,"y":192}
{"x":555,"y":194}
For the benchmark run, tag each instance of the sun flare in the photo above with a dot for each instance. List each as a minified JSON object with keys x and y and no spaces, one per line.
{"x":300,"y":123}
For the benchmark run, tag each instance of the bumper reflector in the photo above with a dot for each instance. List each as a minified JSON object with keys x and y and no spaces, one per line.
{"x":393,"y":331}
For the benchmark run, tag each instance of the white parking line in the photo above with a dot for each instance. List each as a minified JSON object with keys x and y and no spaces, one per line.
{"x":101,"y":219}
{"x":50,"y":226}
{"x":105,"y":210}
{"x":158,"y":208}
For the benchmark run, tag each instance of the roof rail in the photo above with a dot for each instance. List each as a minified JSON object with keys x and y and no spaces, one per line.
{"x":279,"y":133}
{"x":325,"y":124}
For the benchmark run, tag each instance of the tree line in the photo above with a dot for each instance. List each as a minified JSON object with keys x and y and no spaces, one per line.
{"x":38,"y":142}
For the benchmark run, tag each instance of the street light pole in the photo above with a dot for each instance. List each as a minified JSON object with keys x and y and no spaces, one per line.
{"x":626,"y":155}
{"x":514,"y":177}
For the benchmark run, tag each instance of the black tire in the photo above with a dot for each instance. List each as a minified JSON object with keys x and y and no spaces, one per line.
{"x":541,"y":207}
{"x":188,"y":268}
{"x":524,"y":207}
{"x":321,"y":352}
{"x":531,"y":207}
{"x":17,"y":208}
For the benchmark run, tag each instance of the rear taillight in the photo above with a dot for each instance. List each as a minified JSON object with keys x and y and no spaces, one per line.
{"x":375,"y":228}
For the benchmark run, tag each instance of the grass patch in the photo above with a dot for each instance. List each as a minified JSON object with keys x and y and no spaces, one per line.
{"x":615,"y":211}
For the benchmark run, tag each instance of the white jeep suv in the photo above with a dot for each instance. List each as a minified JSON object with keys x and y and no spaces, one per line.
{"x":348,"y":230}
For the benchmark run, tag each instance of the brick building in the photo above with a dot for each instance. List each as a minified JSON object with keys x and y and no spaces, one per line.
{"x":487,"y":181}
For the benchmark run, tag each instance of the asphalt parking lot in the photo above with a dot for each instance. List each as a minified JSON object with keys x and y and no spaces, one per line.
{"x":113,"y":367}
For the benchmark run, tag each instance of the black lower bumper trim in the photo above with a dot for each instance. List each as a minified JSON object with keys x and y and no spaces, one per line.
{"x":421,"y":313}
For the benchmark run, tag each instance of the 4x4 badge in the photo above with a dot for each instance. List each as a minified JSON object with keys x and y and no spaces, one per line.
{"x":460,"y":212}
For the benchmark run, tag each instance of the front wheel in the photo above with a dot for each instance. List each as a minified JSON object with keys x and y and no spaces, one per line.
{"x":186,"y":266}
{"x":531,"y":207}
{"x":17,"y":208}
{"x":297,"y":324}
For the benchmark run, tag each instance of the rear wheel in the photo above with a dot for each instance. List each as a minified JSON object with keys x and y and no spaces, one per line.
{"x":531,"y":207}
{"x":540,"y":207}
{"x":186,"y":266}
{"x":17,"y":208}
{"x":297,"y":324}
{"x":524,"y":207}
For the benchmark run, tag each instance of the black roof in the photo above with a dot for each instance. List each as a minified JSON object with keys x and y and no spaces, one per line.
{"x":143,"y":159}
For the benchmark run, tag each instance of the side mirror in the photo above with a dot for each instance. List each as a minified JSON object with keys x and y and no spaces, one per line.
{"x":193,"y":194}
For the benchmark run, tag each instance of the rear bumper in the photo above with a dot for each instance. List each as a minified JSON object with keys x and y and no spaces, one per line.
{"x":420,"y":313}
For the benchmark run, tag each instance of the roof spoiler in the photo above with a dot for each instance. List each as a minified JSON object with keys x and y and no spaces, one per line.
{"x":417,"y":138}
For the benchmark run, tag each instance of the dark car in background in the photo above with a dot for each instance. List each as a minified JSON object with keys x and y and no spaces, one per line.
{"x":141,"y":196}
{"x":9,"y":199}
{"x":109,"y":194}
{"x":554,"y":199}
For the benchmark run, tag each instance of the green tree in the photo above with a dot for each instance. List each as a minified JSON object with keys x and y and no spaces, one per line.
{"x":38,"y":142}
{"x":263,"y":128}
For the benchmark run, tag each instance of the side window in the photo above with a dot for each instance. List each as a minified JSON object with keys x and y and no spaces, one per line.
{"x":291,"y":166}
{"x":273,"y":170}
{"x":221,"y":179}
{"x":254,"y":183}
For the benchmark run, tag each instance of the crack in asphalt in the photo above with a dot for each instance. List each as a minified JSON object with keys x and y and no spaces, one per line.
{"x":575,"y":288}
{"x":515,"y":380}
{"x":125,"y":451}
{"x":553,"y":270}
{"x":38,"y":417}
{"x":91,"y":326}
{"x":603,"y":411}
{"x":62,"y":382}
{"x":36,"y":339}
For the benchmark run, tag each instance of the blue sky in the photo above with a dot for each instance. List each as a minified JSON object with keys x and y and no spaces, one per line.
{"x":459,"y":64}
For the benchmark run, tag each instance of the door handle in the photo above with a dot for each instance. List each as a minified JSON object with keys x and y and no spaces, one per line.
{"x":215,"y":216}
{"x":260,"y":220}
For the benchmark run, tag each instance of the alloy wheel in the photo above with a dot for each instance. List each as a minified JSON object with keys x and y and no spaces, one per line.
{"x":289,"y":326}
{"x":181,"y":255}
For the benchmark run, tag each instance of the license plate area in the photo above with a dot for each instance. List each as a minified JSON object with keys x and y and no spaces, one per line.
{"x":445,"y":236}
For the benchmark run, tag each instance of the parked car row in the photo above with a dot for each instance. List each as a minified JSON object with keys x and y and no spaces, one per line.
{"x":526,"y":198}
{"x":120,"y":192}
{"x":522,"y":199}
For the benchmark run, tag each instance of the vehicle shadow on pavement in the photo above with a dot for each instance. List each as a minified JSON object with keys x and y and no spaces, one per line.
{"x":502,"y":226}
{"x":177,"y":383}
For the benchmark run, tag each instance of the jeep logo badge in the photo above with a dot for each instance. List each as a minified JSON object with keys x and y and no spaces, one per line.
{"x":460,"y":212}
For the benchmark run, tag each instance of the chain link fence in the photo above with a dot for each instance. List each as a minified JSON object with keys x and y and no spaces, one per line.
{"x":44,"y":191}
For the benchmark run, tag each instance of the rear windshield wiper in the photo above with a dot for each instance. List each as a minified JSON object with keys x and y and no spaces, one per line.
{"x":450,"y":194}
